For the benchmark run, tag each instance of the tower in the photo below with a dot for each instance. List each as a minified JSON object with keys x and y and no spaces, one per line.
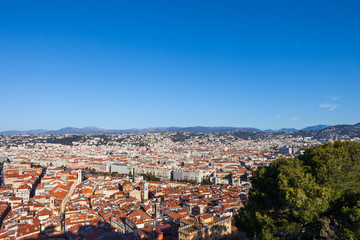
{"x":157,"y":208}
{"x":145,"y":190}
{"x":52,"y":202}
{"x":79,"y":176}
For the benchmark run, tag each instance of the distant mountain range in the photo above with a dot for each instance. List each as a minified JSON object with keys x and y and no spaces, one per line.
{"x":316,"y":127}
{"x":95,"y":130}
{"x":198,"y":129}
{"x":316,"y":132}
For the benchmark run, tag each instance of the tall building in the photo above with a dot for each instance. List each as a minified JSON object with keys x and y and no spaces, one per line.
{"x":157,"y":208}
{"x":80,"y":176}
{"x":145,"y":190}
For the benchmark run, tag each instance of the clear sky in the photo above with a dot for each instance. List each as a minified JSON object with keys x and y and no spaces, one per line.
{"x":135,"y":64}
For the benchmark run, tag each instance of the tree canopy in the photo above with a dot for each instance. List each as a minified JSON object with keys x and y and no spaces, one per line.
{"x":313,"y":196}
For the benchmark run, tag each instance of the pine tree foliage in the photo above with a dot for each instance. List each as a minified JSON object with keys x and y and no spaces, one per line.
{"x":313,"y":196}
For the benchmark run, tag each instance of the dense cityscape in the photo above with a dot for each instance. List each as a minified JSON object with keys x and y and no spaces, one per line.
{"x":171,"y":185}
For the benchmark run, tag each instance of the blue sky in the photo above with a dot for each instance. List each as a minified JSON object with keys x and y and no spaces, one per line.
{"x":136,"y":64}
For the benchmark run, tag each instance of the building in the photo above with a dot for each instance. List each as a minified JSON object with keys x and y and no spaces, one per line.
{"x":127,"y":187}
{"x":196,"y":175}
{"x":99,"y":167}
{"x":23,"y":192}
{"x":177,"y":174}
{"x":79,"y":176}
{"x":135,"y":194}
{"x":206,"y":226}
{"x":157,"y":209}
{"x":145,"y":190}
{"x":286,"y":150}
{"x":121,"y":168}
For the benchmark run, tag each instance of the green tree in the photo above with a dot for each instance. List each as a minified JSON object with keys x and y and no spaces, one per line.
{"x":150,"y":177}
{"x":206,"y":181}
{"x":314,"y":196}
